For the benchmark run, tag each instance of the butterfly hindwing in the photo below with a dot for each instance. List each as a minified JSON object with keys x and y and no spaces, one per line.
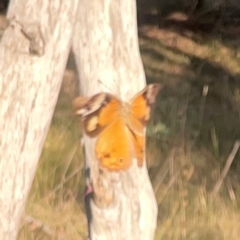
{"x":138,"y":145}
{"x":139,"y":115}
{"x":112,"y":146}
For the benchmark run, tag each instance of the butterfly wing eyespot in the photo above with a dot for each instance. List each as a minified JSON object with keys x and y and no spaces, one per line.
{"x":121,"y":161}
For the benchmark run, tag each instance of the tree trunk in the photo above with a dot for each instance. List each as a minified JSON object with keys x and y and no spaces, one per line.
{"x":33,"y":54}
{"x":105,"y":44}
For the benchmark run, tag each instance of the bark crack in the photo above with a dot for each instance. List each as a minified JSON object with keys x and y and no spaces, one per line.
{"x":25,"y":132}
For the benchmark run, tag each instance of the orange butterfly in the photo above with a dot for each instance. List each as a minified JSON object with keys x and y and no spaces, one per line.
{"x":118,"y":126}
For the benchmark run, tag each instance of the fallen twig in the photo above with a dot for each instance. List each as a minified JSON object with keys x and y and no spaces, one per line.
{"x":39,"y":224}
{"x":163,"y":171}
{"x":226,"y":168}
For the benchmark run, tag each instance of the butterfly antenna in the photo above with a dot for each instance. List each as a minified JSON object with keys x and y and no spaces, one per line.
{"x":109,"y":89}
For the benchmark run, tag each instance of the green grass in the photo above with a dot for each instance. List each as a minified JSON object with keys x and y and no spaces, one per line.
{"x":189,"y":138}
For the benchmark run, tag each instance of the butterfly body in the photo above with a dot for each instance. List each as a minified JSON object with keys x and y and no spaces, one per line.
{"x":118,"y":126}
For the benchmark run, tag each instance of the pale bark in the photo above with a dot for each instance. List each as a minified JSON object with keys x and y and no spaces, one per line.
{"x":33,"y":55}
{"x":105,"y":43}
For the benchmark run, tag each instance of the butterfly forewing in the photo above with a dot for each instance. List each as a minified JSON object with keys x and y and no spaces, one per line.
{"x":111,"y":109}
{"x":140,"y":108}
{"x":79,"y":105}
{"x":99,"y":112}
{"x":141,"y":103}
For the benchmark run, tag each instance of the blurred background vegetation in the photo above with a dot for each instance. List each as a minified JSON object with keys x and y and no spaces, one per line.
{"x":192,"y":47}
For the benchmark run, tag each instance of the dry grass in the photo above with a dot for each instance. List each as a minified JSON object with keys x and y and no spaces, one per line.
{"x":187,"y":209}
{"x":64,"y":220}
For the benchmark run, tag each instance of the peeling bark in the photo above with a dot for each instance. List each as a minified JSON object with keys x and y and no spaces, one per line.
{"x":33,"y":54}
{"x":105,"y":44}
